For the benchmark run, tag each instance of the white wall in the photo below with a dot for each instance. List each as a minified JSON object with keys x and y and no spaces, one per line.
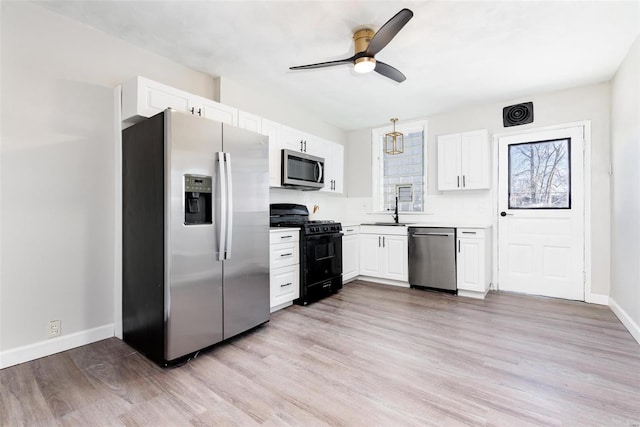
{"x":59,"y":163}
{"x":58,"y":173}
{"x":584,"y":103}
{"x":625,"y":207}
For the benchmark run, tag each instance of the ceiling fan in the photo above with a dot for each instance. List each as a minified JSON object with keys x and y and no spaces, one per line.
{"x":367,"y":45}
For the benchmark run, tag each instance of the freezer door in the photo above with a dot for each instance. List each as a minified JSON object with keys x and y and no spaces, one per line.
{"x":193,"y":288}
{"x":246,"y":264}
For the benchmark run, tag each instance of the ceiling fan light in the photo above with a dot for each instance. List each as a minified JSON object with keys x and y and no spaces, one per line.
{"x":365,"y":64}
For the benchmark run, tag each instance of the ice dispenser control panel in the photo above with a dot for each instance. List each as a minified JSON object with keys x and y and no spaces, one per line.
{"x":197,"y":199}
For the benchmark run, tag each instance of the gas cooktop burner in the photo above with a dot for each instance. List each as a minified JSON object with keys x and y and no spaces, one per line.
{"x":293,"y":215}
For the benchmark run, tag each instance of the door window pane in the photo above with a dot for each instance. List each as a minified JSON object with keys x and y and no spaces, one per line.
{"x":540,"y":175}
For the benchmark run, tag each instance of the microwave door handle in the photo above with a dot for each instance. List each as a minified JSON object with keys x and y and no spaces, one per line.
{"x":222,"y":223}
{"x":229,"y":203}
{"x":319,"y":174}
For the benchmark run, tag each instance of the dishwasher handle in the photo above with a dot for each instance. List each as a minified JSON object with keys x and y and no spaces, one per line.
{"x":432,"y":234}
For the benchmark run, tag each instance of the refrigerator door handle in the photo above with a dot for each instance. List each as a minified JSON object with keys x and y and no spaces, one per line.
{"x":222,"y":224}
{"x":229,"y":204}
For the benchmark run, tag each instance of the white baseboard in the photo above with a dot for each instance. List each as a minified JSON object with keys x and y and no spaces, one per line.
{"x":626,"y":320}
{"x":596,"y":299}
{"x":384,"y":281}
{"x":51,"y":346}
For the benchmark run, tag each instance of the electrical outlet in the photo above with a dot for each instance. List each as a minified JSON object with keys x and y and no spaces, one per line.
{"x":54,"y":328}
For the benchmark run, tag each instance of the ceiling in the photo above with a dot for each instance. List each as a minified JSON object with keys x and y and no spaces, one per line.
{"x":454,"y":53}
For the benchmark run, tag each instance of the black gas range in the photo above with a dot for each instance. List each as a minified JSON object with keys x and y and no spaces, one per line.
{"x":320,"y":250}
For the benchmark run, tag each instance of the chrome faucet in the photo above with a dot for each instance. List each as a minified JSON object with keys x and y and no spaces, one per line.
{"x":395,"y":215}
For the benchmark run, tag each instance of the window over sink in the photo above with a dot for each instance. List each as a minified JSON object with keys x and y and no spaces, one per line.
{"x":400,"y":175}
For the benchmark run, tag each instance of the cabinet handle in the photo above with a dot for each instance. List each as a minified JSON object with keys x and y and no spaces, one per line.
{"x":349,"y":229}
{"x":288,"y":254}
{"x":200,"y":111}
{"x":305,"y":145}
{"x":379,"y":241}
{"x":464,"y":181}
{"x":286,"y":284}
{"x":286,"y":237}
{"x":383,"y":241}
{"x":301,"y":150}
{"x":458,"y":181}
{"x":468,"y":232}
{"x":193,"y":110}
{"x":458,"y":246}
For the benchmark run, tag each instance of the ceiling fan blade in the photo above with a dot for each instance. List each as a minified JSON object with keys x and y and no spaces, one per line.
{"x":389,"y":71}
{"x":324,"y":64}
{"x":388,"y":31}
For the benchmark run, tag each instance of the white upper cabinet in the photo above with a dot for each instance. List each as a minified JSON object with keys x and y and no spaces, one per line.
{"x":333,"y":155}
{"x":215,"y":111}
{"x":249,"y":121}
{"x":142,"y":98}
{"x":297,"y":140}
{"x":464,"y":161}
{"x":274,"y":131}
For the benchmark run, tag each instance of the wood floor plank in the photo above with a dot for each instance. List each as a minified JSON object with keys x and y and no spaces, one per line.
{"x":369,"y":355}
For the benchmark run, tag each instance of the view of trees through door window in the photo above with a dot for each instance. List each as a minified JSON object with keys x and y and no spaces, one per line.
{"x":540,"y":175}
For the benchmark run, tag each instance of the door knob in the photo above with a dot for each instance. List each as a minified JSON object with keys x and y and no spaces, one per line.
{"x":503,"y":213}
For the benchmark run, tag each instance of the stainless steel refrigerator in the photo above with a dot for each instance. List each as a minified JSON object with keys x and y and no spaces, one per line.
{"x":195,"y":234}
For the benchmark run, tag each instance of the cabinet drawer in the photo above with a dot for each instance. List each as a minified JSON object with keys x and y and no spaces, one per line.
{"x":285,"y":284}
{"x":470,"y":233}
{"x":350,"y":230}
{"x":283,"y":254}
{"x":284,"y":236}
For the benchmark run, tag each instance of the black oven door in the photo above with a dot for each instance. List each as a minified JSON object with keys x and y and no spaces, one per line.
{"x":322,"y":258}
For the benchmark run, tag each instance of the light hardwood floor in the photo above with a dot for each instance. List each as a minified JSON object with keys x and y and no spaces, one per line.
{"x":370,"y":355}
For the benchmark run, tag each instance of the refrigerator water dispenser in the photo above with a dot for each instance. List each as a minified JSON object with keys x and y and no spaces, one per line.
{"x":197,"y":199}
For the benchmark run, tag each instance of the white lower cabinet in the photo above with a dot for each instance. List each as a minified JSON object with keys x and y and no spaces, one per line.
{"x":474,"y":261}
{"x":284,"y":267}
{"x":384,"y":255}
{"x":350,"y":253}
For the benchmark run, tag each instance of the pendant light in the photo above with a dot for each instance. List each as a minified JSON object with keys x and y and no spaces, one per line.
{"x":394,"y":141}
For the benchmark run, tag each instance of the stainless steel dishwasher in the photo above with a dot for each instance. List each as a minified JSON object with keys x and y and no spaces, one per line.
{"x":432,"y":258}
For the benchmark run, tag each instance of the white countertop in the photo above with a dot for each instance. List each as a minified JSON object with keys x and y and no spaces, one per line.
{"x":438,"y":223}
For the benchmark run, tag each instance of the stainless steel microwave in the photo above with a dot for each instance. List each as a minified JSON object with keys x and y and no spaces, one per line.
{"x":302,"y":171}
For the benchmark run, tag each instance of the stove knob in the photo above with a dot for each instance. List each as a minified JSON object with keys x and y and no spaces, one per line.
{"x":326,"y":228}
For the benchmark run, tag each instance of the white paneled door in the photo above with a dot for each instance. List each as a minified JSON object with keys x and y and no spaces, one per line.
{"x":541,"y":208}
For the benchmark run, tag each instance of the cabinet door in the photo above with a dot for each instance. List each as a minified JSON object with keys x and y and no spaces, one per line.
{"x":333,"y":155}
{"x":249,"y":121}
{"x":293,"y":139}
{"x":396,"y":257}
{"x":370,"y":248}
{"x":470,"y":274}
{"x":273,"y":131}
{"x":449,"y":162}
{"x":215,"y":111}
{"x":475,"y":160}
{"x":142,"y":97}
{"x":350,"y":257}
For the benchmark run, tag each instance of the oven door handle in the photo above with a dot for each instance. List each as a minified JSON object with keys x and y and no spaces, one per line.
{"x":323,"y":236}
